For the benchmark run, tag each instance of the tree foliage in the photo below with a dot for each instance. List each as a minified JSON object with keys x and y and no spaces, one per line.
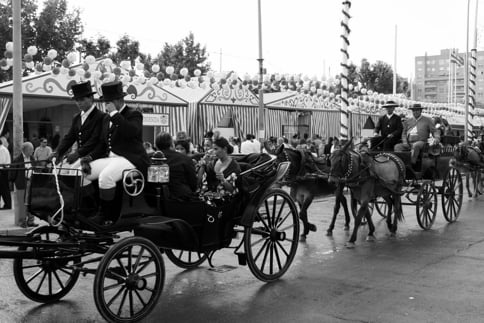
{"x":58,"y":28}
{"x":96,"y":47}
{"x":185,"y":53}
{"x":379,"y":77}
{"x":128,"y":49}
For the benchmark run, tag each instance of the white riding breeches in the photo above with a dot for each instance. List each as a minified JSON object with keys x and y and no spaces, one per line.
{"x":109,"y":170}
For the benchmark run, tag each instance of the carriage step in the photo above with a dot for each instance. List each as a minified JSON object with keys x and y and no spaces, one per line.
{"x":242,"y":259}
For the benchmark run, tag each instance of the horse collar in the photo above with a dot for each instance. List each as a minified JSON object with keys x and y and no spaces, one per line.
{"x":350,"y":167}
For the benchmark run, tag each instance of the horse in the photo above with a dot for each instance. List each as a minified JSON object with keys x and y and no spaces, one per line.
{"x":368,"y":178}
{"x":471,"y":160}
{"x":307,"y":178}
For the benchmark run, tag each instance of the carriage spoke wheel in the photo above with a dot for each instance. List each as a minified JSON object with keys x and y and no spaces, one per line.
{"x":452,"y":193}
{"x":382,"y":207}
{"x":129,"y":280}
{"x":426,"y":205}
{"x":271,"y":241}
{"x":48,"y":279}
{"x":185,"y":259}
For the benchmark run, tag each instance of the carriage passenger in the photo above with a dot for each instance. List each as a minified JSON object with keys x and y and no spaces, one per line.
{"x":120,"y":147}
{"x":388,"y":130}
{"x":220,"y":175}
{"x":416,"y":132}
{"x":183,"y":179}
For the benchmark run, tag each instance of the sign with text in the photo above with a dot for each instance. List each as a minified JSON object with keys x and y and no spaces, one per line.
{"x":156,"y":119}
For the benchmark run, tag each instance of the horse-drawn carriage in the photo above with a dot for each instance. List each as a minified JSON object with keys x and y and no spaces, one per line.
{"x":130,"y":272}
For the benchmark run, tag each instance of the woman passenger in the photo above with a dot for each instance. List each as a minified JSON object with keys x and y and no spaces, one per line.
{"x":220,"y":174}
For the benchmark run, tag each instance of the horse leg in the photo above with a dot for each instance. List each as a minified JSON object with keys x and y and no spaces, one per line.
{"x":361,"y":212}
{"x":467,"y":184}
{"x":338,"y":193}
{"x":389,"y":202}
{"x":371,"y":226}
{"x":344,"y":202}
{"x":398,"y":214}
{"x":305,"y":201}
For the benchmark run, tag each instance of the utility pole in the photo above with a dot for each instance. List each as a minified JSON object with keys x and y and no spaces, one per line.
{"x":18,"y":131}
{"x":261,"y":79}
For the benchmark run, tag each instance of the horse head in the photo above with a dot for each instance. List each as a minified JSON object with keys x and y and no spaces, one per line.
{"x":290,"y":155}
{"x":342,"y":163}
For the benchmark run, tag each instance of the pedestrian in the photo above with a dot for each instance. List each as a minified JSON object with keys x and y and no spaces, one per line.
{"x":42,"y":153}
{"x":19,"y":175}
{"x":4,"y":187}
{"x":120,"y":147}
{"x":4,"y":138}
{"x":250,"y":145}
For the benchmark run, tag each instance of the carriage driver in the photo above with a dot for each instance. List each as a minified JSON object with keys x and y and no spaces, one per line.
{"x":416,"y":132}
{"x":389,"y":126}
{"x":120,"y":147}
{"x":85,"y":128}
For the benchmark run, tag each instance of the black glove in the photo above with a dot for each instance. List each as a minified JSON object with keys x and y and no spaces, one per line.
{"x":85,"y":166}
{"x":72,"y":157}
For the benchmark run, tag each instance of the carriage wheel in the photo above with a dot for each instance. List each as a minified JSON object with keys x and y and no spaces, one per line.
{"x":452,"y":193}
{"x":382,"y":207}
{"x":426,"y":205}
{"x":45,"y":280}
{"x":129,"y":280}
{"x":271,"y":241}
{"x":185,"y":259}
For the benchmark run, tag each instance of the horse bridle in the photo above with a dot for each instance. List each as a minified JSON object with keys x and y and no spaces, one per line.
{"x":346,"y":177}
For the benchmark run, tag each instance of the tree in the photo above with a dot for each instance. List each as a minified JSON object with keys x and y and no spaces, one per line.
{"x":97,"y":48}
{"x":58,"y":28}
{"x":185,"y":53}
{"x":127,"y":49}
{"x":379,"y":77}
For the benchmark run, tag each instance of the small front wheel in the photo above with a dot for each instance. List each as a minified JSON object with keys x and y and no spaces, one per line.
{"x":452,"y":193}
{"x":426,"y":205}
{"x":129,"y":280}
{"x":271,"y":241}
{"x":186,"y":259}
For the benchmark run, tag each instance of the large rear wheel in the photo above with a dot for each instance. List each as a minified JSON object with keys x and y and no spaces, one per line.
{"x":271,"y":241}
{"x":47,"y":279}
{"x":185,"y":259}
{"x":452,"y":193}
{"x":129,"y":280}
{"x":426,"y":205}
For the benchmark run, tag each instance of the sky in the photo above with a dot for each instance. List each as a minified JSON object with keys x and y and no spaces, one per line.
{"x":300,"y":36}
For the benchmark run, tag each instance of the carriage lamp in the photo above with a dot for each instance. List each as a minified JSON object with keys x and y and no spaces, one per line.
{"x":158,"y":171}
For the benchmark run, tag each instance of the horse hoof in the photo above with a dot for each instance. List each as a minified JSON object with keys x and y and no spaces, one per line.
{"x":312,"y":228}
{"x":329,"y":233}
{"x":393,"y":235}
{"x":347,"y":228}
{"x":350,"y":245}
{"x":370,"y":239}
{"x":302,"y":238}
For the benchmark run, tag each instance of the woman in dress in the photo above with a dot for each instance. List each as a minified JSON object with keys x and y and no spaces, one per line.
{"x":220,"y":174}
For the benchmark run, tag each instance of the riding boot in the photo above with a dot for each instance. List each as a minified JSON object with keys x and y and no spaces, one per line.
{"x":88,"y":200}
{"x":109,"y":209}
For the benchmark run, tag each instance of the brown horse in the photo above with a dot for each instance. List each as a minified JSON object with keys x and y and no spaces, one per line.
{"x":471,"y":160}
{"x":307,"y":179}
{"x":368,"y":178}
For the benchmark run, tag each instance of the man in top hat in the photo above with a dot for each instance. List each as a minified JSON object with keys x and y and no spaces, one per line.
{"x":120,"y":147}
{"x":85,"y":128}
{"x":416,"y":132}
{"x":388,"y":129}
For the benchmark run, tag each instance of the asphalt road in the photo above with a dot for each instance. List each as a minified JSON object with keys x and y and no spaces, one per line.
{"x":418,"y":276}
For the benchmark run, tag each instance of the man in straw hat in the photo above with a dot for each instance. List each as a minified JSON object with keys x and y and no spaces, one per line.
{"x":416,"y":132}
{"x":388,"y":129}
{"x":85,"y":128}
{"x":120,"y":147}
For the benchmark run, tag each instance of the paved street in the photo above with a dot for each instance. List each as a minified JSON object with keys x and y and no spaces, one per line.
{"x":432,"y":276}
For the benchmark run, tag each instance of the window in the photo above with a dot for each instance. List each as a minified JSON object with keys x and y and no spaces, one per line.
{"x":419,"y":62}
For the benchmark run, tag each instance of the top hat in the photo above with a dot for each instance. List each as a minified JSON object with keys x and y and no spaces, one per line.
{"x":81,"y":90}
{"x":416,"y":106}
{"x":390,"y":104}
{"x":112,"y":91}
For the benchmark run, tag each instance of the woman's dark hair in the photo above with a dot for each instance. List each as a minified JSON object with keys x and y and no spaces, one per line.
{"x":184,"y":144}
{"x":163,"y":141}
{"x":223,"y":143}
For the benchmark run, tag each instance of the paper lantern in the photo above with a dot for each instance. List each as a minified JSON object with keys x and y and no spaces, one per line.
{"x":47,"y":60}
{"x":65,"y":63}
{"x":72,"y":57}
{"x":152,"y":80}
{"x":125,"y":65}
{"x":9,"y":46}
{"x":30,"y":65}
{"x":197,"y":72}
{"x":155,"y":68}
{"x":28,"y":58}
{"x":32,"y":50}
{"x":56,"y":70}
{"x":72,"y":73}
{"x":140,"y":66}
{"x":170,"y":70}
{"x":52,"y":53}
{"x":184,"y":71}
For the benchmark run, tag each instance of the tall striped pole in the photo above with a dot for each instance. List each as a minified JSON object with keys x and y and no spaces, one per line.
{"x":344,"y":70}
{"x":472,"y":79}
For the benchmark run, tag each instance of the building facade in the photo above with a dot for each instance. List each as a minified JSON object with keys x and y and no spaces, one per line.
{"x":439,"y":80}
